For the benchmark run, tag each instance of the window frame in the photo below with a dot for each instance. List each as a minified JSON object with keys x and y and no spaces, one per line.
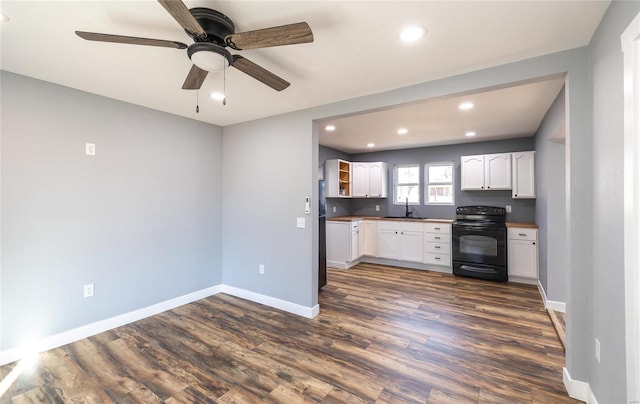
{"x":427,"y":183}
{"x":396,"y":184}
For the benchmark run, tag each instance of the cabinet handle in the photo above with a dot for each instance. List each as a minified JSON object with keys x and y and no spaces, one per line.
{"x":533,"y":243}
{"x":488,"y":187}
{"x":437,"y":237}
{"x":438,"y":247}
{"x":482,"y":187}
{"x":522,"y":235}
{"x":516,"y":195}
{"x":437,"y":228}
{"x":437,"y":258}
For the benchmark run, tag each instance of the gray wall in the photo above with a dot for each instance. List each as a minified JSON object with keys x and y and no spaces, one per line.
{"x":606,"y":276}
{"x":273,"y":168}
{"x":550,"y":202}
{"x":141,"y":220}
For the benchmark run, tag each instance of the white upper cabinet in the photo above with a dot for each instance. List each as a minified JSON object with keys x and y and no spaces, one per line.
{"x":360,"y":173}
{"x":337,"y":175}
{"x":486,"y":172}
{"x":524,"y":182}
{"x":369,"y":180}
{"x":472,"y":172}
{"x":378,"y":180}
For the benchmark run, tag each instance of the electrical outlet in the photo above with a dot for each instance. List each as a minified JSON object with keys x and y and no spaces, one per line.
{"x":261,"y":269}
{"x":508,"y":208}
{"x":90,"y":149}
{"x":88,"y":290}
{"x":377,"y":208}
{"x":598,"y":350}
{"x":334,"y":209}
{"x":300,"y":223}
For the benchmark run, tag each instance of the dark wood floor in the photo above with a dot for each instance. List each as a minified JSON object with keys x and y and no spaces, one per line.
{"x":384,"y":335}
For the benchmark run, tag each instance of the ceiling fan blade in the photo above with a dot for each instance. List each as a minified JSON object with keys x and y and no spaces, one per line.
{"x":274,"y":36}
{"x":93,"y":36}
{"x":262,"y":75}
{"x":195,"y":78}
{"x":180,"y":13}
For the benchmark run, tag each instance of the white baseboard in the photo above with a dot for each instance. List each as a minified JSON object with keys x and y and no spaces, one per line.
{"x":577,"y":389}
{"x":67,"y":337}
{"x":550,"y":304}
{"x":308,"y":312}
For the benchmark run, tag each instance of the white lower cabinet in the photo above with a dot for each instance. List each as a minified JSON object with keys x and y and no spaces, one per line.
{"x":437,"y":244}
{"x":522,"y":253}
{"x":399,"y":240}
{"x":370,"y":247}
{"x":342,"y":244}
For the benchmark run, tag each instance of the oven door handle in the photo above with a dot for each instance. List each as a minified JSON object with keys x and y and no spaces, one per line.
{"x":476,"y":269}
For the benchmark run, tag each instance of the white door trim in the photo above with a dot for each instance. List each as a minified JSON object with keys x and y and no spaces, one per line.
{"x":631,"y":48}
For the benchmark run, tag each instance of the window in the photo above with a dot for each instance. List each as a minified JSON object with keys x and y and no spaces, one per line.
{"x":439,"y":180}
{"x":407,"y":184}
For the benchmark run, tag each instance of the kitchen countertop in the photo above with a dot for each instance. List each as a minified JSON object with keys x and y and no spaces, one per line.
{"x":395,"y":219}
{"x":522,"y":225}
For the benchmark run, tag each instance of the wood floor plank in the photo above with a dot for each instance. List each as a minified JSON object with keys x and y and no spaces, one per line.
{"x":384,"y":335}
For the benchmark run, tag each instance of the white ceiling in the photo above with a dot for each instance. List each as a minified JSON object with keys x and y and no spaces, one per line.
{"x":509,"y":112}
{"x":356,"y":50}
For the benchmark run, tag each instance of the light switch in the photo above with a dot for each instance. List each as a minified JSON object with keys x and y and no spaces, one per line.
{"x":300,"y":223}
{"x":90,"y":149}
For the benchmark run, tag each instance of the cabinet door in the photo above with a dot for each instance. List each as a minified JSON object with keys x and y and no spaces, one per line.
{"x":497,"y":171}
{"x":388,"y":243}
{"x":360,"y":178}
{"x":361,"y":234}
{"x":523,"y":259}
{"x":472,"y":173}
{"x":524,"y":183}
{"x":354,"y":244}
{"x":370,"y":239}
{"x":378,"y":180}
{"x":411,"y":246}
{"x":338,"y":242}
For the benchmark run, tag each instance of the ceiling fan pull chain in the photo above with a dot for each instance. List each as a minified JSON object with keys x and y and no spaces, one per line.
{"x":197,"y":101}
{"x":224,"y":86}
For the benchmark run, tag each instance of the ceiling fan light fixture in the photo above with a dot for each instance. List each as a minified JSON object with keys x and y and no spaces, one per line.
{"x":402,"y":131}
{"x":209,"y":56}
{"x":465,"y":106}
{"x":330,"y":128}
{"x":470,"y":134}
{"x":370,"y":145}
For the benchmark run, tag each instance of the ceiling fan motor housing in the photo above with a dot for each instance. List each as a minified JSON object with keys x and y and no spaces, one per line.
{"x":214,"y":23}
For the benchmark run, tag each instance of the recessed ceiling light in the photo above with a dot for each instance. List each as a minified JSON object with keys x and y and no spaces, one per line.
{"x":470,"y":134}
{"x":412,"y":33}
{"x":218,"y":96}
{"x":371,"y":145}
{"x":403,"y":131}
{"x":330,"y":128}
{"x":465,"y":105}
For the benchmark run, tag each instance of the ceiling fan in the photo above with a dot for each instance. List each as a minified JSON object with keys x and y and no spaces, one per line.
{"x":213,"y":32}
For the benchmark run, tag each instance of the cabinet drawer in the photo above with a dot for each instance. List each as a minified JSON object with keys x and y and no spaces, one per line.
{"x":439,"y":248}
{"x":521,"y":233}
{"x":443,"y":228}
{"x":437,"y":238}
{"x":437,"y":259}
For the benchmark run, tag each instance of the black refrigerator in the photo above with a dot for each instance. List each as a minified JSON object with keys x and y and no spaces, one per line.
{"x":322,"y":236}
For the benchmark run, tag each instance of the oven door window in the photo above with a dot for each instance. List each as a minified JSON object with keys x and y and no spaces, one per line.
{"x":479,"y":245}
